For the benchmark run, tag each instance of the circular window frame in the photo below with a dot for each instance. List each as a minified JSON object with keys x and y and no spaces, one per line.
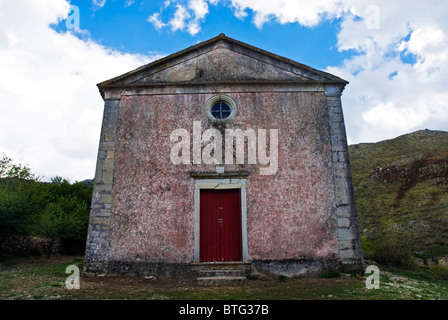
{"x":220,"y":98}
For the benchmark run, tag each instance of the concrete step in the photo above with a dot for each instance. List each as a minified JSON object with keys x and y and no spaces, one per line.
{"x":221,"y":266}
{"x":222,"y":273}
{"x":222,"y":280}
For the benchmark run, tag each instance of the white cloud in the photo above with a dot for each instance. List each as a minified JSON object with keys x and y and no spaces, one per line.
{"x":304,"y":12}
{"x":429,"y":43}
{"x":179,"y":21}
{"x":51,"y":109}
{"x":187,"y":17}
{"x":397,"y":80}
{"x":156,"y":21}
{"x":383,"y":116}
{"x":239,"y":12}
{"x":129,"y":3}
{"x":200,"y":10}
{"x":403,"y":94}
{"x":199,"y":7}
{"x":98,"y":4}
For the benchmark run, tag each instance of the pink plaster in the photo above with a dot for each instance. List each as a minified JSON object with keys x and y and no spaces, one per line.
{"x":289,"y":214}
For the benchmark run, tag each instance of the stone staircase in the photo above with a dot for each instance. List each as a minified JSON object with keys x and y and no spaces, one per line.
{"x":221,"y":273}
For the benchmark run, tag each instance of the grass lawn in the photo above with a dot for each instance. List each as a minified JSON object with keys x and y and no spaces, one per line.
{"x":39,"y":278}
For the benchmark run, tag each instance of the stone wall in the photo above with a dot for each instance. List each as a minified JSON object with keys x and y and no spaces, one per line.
{"x":29,"y":246}
{"x":97,"y":245}
{"x":350,"y":252}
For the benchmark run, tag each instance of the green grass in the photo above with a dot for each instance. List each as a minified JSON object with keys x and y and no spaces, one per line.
{"x":401,"y":189}
{"x":39,"y":278}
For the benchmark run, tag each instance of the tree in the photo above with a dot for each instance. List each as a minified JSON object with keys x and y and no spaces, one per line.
{"x":55,"y":210}
{"x":18,"y":198}
{"x":64,"y":219}
{"x":14,"y":210}
{"x":8,"y":169}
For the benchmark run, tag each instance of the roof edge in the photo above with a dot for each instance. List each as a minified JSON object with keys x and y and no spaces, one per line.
{"x":161,"y":60}
{"x":331,"y":78}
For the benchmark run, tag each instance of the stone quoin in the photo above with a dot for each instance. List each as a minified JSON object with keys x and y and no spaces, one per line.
{"x":152,"y":215}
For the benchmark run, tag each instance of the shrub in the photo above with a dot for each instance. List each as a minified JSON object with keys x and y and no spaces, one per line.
{"x":368,"y":248}
{"x":394,"y":255}
{"x":282,"y":278}
{"x":432,"y":252}
{"x":439,"y":271}
{"x":331,"y":274}
{"x":35,"y":251}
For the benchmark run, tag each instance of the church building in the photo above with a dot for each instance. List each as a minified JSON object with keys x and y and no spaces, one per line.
{"x":223,"y":153}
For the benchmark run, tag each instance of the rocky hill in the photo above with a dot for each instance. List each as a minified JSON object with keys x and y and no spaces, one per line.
{"x":401,"y":189}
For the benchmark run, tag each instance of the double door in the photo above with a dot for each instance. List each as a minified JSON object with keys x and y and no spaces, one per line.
{"x":220,"y":225}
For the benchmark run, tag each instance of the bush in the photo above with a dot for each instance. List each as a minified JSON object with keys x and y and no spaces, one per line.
{"x":35,"y":251}
{"x":331,"y":274}
{"x":282,"y":278}
{"x":432,"y":252}
{"x":53,"y":210}
{"x":368,"y":248}
{"x":393,"y":255}
{"x":439,"y":271}
{"x":438,"y":250}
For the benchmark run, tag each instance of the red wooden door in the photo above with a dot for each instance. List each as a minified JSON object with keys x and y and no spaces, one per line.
{"x":220,"y":225}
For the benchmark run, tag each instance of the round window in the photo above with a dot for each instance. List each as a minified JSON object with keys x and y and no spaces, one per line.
{"x":220,"y":108}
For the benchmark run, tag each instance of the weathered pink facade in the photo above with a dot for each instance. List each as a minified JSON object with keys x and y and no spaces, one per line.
{"x":144,"y":217}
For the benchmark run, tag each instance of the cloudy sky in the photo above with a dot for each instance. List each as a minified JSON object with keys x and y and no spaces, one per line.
{"x":52,"y":55}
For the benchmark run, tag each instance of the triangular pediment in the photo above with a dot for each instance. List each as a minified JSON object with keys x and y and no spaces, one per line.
{"x":220,"y":60}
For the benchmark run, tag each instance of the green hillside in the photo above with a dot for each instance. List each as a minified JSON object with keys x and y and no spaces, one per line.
{"x":401,"y":189}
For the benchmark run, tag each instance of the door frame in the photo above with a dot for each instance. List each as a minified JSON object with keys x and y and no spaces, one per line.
{"x":217,"y":184}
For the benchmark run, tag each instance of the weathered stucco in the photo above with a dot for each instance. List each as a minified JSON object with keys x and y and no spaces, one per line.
{"x":143,"y":212}
{"x":290,"y":214}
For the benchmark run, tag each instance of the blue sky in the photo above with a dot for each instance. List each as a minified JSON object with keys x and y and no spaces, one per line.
{"x":393,"y":53}
{"x":126,"y":28}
